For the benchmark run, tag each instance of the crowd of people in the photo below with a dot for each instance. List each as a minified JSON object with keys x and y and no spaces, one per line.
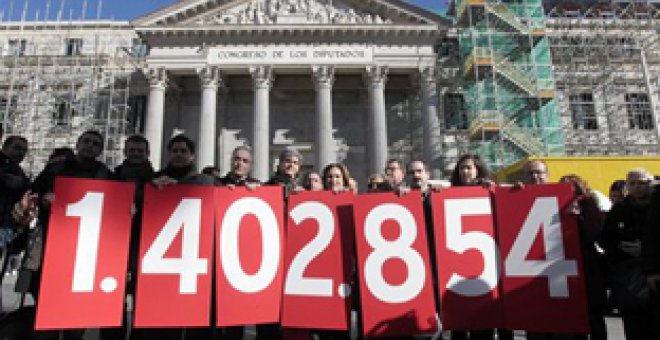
{"x":620,"y":240}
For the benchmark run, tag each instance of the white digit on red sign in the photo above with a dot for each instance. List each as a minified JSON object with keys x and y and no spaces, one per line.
{"x":270,"y":251}
{"x":543,"y":215}
{"x":90,"y":210}
{"x":296,"y":283}
{"x":384,"y":250}
{"x":460,"y":242}
{"x":186,"y":217}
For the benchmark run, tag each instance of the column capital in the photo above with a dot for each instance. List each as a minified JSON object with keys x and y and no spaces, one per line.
{"x":323,"y":76}
{"x":156,"y":77}
{"x":262,"y":76}
{"x":210,"y":76}
{"x":376,"y":75}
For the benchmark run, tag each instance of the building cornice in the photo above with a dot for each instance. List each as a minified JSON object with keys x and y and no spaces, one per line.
{"x":58,"y":25}
{"x":424,"y":31}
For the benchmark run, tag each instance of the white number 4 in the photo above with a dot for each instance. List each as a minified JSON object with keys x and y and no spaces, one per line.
{"x":186,"y":217}
{"x":543,"y":215}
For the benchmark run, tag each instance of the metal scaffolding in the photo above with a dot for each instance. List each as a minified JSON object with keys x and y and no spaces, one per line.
{"x":59,"y":79}
{"x":607,"y":68}
{"x":508,"y":80}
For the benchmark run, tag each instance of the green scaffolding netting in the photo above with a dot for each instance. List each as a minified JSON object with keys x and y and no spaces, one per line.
{"x":509,"y":85}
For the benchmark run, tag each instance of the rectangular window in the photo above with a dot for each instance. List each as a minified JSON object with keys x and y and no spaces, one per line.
{"x":17,"y":47}
{"x":63,"y":113}
{"x":583,"y":111}
{"x":638,"y":107}
{"x":455,"y":111}
{"x":74,"y":46}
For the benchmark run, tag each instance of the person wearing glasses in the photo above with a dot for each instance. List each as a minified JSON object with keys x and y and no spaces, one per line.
{"x":621,"y":240}
{"x":394,"y":173}
{"x":241,"y":165}
{"x":536,"y":172}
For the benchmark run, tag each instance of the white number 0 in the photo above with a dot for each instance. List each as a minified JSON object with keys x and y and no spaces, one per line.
{"x":270,"y":245}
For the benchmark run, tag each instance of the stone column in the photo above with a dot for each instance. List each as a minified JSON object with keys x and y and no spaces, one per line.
{"x":155,"y":111}
{"x":262,"y":77}
{"x":432,"y":141}
{"x":210,"y":78}
{"x":376,"y":77}
{"x":323,"y":80}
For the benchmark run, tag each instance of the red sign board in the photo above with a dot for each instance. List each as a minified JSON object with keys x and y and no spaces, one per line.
{"x":176,"y":245}
{"x":250,"y":251}
{"x":541,"y":260}
{"x":86,"y":255}
{"x":318,"y":261}
{"x":466,"y":251}
{"x":396,"y":290}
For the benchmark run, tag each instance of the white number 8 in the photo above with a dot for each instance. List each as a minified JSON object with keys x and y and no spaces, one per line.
{"x":400,"y":248}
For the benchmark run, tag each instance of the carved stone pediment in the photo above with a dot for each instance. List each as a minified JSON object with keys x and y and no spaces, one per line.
{"x":191,"y":13}
{"x":288,"y":12}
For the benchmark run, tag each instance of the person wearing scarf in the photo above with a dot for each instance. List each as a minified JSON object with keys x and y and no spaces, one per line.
{"x":287,"y":171}
{"x":181,"y":165}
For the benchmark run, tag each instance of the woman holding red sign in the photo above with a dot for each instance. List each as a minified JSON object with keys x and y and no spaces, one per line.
{"x":471,"y":170}
{"x":590,"y":224}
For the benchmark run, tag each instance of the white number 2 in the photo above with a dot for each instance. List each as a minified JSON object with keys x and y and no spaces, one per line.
{"x":186,"y":217}
{"x":400,"y":248}
{"x":296,"y":283}
{"x":543,"y":215}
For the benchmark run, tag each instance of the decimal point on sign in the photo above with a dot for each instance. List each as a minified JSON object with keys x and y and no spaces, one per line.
{"x":344,"y":290}
{"x":109,"y":284}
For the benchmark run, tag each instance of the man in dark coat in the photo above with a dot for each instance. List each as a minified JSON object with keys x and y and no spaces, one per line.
{"x":651,"y":254}
{"x":13,"y":184}
{"x":84,"y":164}
{"x":621,"y":240}
{"x":180,"y":169}
{"x":13,"y":181}
{"x":287,"y":171}
{"x":241,"y":165}
{"x":135,"y":168}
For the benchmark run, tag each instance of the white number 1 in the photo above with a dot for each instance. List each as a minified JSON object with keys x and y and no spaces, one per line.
{"x":90,"y":210}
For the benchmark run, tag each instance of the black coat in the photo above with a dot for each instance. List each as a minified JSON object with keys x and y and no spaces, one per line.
{"x":233,"y":179}
{"x":10,"y":191}
{"x":651,"y":239}
{"x":29,"y":277}
{"x":625,"y":222}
